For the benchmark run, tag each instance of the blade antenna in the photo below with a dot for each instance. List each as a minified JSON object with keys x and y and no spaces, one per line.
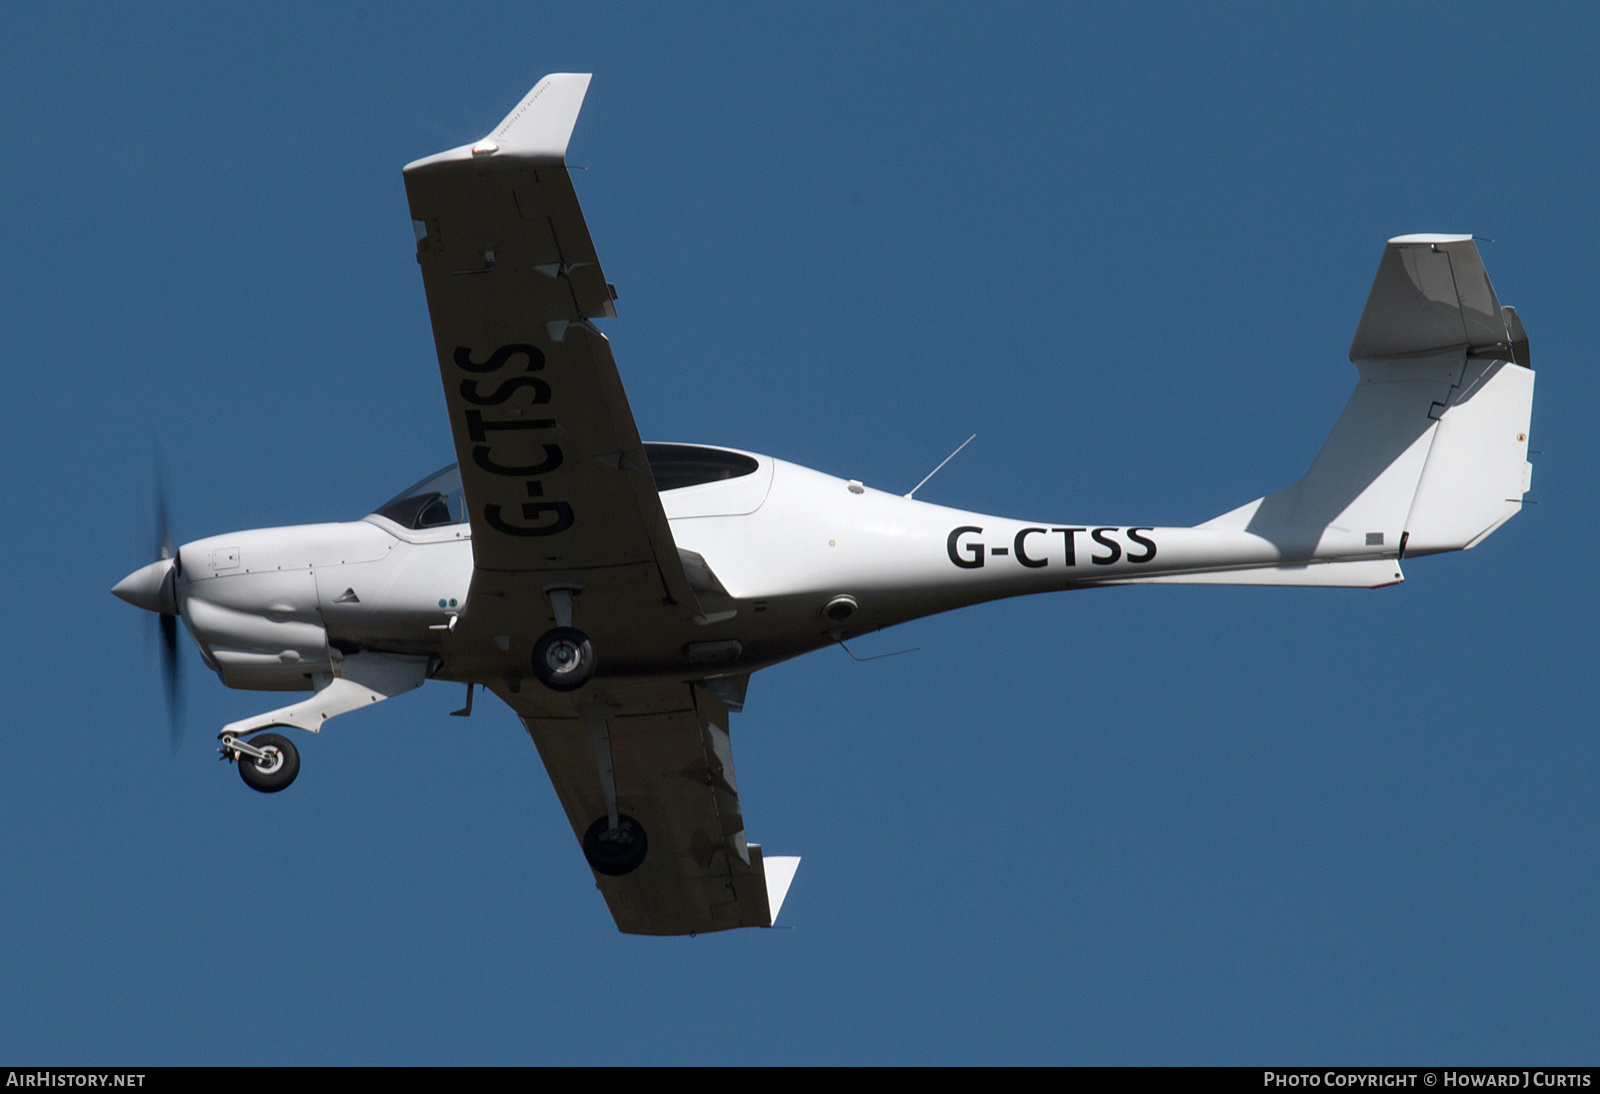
{"x":935,"y":471}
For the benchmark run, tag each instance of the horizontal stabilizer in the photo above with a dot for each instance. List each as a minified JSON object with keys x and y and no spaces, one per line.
{"x":1431,"y":294}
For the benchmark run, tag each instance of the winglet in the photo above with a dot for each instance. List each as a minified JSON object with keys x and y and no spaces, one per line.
{"x":537,"y":130}
{"x":780,"y":870}
{"x":541,"y":125}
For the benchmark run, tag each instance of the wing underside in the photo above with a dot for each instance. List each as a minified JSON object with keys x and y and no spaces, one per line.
{"x":673,"y":765}
{"x":555,"y":477}
{"x":560,"y":497}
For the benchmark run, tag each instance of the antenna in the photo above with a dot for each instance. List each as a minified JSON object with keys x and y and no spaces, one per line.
{"x":942,"y":462}
{"x":838,"y":638}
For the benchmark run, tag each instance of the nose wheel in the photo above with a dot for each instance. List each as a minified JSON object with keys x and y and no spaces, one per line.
{"x":563,"y":659}
{"x":268,"y":762}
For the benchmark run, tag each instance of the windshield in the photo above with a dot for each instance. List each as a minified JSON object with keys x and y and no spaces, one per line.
{"x":431,"y":503}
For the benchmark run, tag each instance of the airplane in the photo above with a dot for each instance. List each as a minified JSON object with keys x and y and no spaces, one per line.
{"x":617,"y":595}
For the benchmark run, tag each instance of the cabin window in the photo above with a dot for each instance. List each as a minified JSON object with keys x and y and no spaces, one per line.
{"x":675,"y":466}
{"x":437,"y":500}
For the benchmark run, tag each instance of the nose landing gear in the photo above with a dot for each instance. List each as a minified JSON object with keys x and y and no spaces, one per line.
{"x":268,"y":762}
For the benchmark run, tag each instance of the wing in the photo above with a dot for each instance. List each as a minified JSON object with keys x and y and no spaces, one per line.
{"x":553,"y":471}
{"x":560,"y":495}
{"x":673,"y":765}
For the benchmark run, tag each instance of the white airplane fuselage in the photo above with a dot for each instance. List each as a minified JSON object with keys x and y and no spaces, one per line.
{"x":271,"y":608}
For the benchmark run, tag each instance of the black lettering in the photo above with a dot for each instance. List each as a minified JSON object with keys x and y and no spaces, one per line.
{"x":1022,"y":555}
{"x":531,"y":510}
{"x":1149,"y":545}
{"x":974,"y":556}
{"x":1068,"y":534}
{"x":999,"y":550}
{"x":499,"y":357}
{"x":541,"y":391}
{"x":552,"y":460}
{"x":478,"y":429}
{"x":1098,"y":535}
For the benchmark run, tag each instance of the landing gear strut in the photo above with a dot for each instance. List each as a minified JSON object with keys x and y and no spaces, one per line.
{"x":563,"y":659}
{"x":268,"y":762}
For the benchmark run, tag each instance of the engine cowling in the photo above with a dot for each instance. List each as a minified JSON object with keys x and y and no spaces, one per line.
{"x":250,"y":600}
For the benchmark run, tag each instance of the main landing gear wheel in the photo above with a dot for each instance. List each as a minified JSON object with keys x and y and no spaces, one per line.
{"x":615,"y":853}
{"x":563,"y":659}
{"x":277,"y":770}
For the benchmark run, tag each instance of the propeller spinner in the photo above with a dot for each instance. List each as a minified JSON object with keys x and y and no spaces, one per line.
{"x":153,"y":587}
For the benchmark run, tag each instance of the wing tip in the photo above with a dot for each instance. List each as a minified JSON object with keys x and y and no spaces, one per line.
{"x":538,"y":129}
{"x":780,"y":871}
{"x":540,"y":126}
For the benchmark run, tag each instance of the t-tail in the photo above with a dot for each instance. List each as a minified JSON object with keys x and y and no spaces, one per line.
{"x":1430,"y":454}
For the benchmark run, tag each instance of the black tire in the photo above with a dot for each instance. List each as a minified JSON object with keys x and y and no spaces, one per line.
{"x":563,"y":659}
{"x":271,"y":777}
{"x":615,"y":854}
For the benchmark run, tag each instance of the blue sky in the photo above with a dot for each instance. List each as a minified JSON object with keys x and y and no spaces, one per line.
{"x":1127,"y":248}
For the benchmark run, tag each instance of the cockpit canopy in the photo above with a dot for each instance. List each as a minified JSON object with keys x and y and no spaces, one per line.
{"x":437,"y":500}
{"x":432,"y":503}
